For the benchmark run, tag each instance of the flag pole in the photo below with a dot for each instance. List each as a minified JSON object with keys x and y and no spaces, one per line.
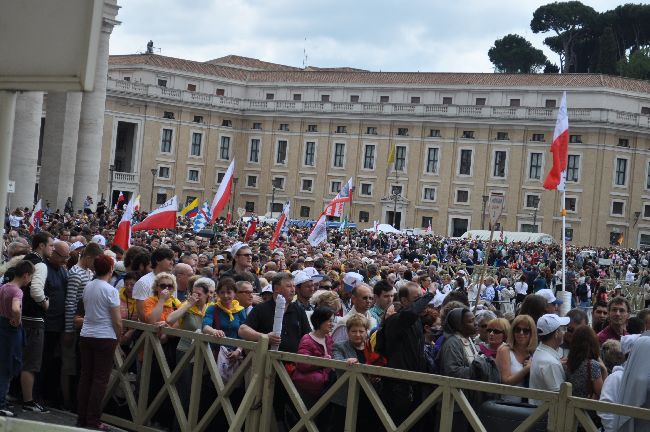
{"x":563,"y":240}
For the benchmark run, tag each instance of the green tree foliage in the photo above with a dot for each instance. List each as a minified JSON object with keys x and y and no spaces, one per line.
{"x":514,"y":54}
{"x":569,"y":21}
{"x":607,"y":51}
{"x":638,"y":64}
{"x":611,"y":42}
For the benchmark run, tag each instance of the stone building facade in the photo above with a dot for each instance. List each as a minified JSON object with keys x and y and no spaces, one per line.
{"x":172,"y":126}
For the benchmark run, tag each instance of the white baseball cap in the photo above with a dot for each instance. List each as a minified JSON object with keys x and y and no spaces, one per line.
{"x":267,"y":289}
{"x":99,"y":239}
{"x":549,"y":296}
{"x":300,"y":277}
{"x":236,"y":247}
{"x":351,"y":280}
{"x":548,"y":323}
{"x":77,"y":245}
{"x":313,"y":274}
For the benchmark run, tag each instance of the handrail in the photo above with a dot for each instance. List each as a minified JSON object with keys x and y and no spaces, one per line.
{"x":261,"y":368}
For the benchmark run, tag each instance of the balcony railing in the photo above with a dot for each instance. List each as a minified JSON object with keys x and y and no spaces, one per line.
{"x":124,"y":177}
{"x":591,"y":115}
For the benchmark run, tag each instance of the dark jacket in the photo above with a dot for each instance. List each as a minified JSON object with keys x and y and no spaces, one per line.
{"x":55,"y":289}
{"x":403,"y":337}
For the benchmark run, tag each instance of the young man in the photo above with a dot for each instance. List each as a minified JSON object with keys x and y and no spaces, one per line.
{"x":599,"y":316}
{"x":618,"y":311}
{"x":546,"y":370}
{"x":384,"y":295}
{"x":35,"y":306}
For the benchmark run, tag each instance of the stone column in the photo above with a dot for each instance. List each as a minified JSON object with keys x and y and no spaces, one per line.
{"x":59,"y":148}
{"x":91,"y":123}
{"x":24,"y":152}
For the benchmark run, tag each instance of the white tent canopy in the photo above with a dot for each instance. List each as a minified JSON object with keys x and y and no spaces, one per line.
{"x":510,"y":236}
{"x":385,"y":228}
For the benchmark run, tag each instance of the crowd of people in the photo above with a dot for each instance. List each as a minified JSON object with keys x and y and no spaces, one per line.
{"x":452,"y":307}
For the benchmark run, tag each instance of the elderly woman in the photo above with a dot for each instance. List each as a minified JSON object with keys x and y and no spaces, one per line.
{"x":458,"y":352}
{"x":329,"y":299}
{"x":513,"y":359}
{"x":483,"y":317}
{"x":497,"y":331}
{"x":101,"y":327}
{"x":355,"y":350}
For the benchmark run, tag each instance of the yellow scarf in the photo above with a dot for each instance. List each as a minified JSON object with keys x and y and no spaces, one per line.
{"x":195,"y":310}
{"x":234,"y":308}
{"x":130,"y":302}
{"x":171,"y":302}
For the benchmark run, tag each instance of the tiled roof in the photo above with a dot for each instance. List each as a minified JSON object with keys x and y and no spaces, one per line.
{"x":250,"y":63}
{"x":346,"y":76}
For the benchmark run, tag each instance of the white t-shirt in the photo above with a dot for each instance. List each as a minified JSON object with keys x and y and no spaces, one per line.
{"x":99,"y":298}
{"x":521,"y":288}
{"x":142,"y":288}
{"x":14,"y":221}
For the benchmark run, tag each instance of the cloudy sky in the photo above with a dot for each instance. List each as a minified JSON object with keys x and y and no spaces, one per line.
{"x":388,"y":35}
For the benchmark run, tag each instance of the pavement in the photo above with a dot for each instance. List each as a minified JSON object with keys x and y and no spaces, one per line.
{"x":57,"y":417}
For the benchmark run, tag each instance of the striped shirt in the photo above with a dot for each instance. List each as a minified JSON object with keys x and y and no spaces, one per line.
{"x":78,"y":278}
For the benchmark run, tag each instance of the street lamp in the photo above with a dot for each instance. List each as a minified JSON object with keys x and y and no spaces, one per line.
{"x":485,"y":200}
{"x":153,"y":179}
{"x":395,"y":196}
{"x":111,"y":170}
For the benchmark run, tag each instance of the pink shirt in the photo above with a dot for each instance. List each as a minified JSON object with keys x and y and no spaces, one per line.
{"x":9,"y":292}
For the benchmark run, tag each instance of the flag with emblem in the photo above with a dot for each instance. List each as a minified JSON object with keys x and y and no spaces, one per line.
{"x":335,"y":207}
{"x":202,"y":217}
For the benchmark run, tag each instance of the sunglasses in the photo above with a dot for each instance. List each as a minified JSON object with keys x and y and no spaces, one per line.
{"x":247,"y":255}
{"x":522,"y":330}
{"x":245,"y":292}
{"x":495,"y":331}
{"x":326,"y":287}
{"x":165,"y":286}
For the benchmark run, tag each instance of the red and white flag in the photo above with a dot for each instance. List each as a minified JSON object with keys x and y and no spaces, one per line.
{"x":335,"y":207}
{"x":222,"y":196}
{"x":556,"y":178}
{"x":36,"y":217}
{"x":252,"y":226}
{"x":282,"y":224}
{"x":164,"y":217}
{"x":123,"y":234}
{"x":319,"y":233}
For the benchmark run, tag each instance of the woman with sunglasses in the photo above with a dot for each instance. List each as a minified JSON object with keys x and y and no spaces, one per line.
{"x":497,"y":330}
{"x":513,"y":358}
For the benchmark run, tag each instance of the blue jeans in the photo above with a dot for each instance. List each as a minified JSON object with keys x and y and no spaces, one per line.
{"x":11,"y":347}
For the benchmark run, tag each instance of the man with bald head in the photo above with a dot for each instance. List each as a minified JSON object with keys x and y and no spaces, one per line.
{"x":55,"y":289}
{"x":183,"y":273}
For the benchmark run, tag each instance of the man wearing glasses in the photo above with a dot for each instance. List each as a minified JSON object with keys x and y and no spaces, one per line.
{"x":242,"y":262}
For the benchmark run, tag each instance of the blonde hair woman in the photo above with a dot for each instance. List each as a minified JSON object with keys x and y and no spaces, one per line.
{"x":513,"y":358}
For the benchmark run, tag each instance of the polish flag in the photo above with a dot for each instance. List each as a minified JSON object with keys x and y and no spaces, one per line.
{"x":282,"y":224}
{"x":556,"y":178}
{"x":251,"y":229}
{"x":123,"y":235}
{"x":222,"y":196}
{"x":36,"y":217}
{"x":164,"y":217}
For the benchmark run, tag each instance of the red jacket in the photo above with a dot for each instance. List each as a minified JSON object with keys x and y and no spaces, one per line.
{"x":308,"y":378}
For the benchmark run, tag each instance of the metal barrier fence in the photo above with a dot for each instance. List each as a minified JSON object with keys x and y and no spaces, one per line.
{"x":263,"y":370}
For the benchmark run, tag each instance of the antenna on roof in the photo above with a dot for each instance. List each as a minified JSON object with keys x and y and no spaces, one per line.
{"x":304,"y":53}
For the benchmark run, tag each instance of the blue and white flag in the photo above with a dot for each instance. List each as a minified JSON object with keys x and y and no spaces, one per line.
{"x":202,"y":217}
